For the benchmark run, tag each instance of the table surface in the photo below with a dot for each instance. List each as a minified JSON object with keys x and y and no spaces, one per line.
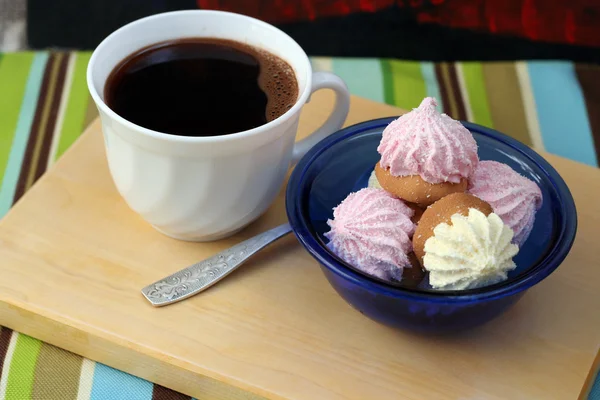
{"x":275,"y":328}
{"x":45,"y":106}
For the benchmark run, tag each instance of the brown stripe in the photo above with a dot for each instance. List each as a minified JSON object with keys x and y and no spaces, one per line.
{"x":460,"y":111}
{"x":445,"y":80}
{"x":5,"y":335}
{"x":48,"y":134}
{"x":439,"y":74}
{"x":589,"y":79}
{"x":505,"y":100}
{"x":162,"y":393}
{"x":47,"y":107}
{"x":56,"y":374}
{"x":35,"y":129}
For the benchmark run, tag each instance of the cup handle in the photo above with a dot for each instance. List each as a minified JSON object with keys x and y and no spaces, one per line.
{"x":325,"y":80}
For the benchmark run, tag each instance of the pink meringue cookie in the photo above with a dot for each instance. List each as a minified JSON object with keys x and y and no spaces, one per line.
{"x":426,"y":143}
{"x":371,"y":230}
{"x":513,"y":197}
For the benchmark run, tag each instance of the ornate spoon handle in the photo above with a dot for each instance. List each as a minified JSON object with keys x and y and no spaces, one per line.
{"x":198,"y":277}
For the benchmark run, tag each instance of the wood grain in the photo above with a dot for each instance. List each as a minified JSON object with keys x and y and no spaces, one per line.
{"x":74,"y":258}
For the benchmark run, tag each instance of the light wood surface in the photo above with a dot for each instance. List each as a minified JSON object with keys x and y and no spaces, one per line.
{"x":74,"y":258}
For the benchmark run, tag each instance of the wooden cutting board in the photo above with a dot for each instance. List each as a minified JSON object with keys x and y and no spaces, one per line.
{"x":73,"y":259}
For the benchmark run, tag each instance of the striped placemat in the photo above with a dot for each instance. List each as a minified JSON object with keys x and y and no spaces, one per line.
{"x":45,"y":105}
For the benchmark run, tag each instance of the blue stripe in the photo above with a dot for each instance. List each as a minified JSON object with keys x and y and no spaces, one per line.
{"x":19,"y":144}
{"x":362,"y":75}
{"x":431,"y":82}
{"x":595,"y":391}
{"x":561,"y":111}
{"x":112,"y":384}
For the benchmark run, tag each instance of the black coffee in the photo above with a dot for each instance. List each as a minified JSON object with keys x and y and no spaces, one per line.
{"x":201,"y":87}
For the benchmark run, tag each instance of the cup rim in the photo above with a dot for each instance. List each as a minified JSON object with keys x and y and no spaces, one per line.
{"x":163,"y":136}
{"x":543,"y":268}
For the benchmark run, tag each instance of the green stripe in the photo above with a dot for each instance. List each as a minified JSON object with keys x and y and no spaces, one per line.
{"x":22,"y":368}
{"x":76,"y":105}
{"x":388,"y":81}
{"x":408,"y":84}
{"x":14,"y":71}
{"x":475,"y":84}
{"x":22,"y":131}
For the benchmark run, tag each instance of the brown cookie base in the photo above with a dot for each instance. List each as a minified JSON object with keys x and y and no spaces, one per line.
{"x":414,"y":189}
{"x":440,"y":212}
{"x":418,"y":211}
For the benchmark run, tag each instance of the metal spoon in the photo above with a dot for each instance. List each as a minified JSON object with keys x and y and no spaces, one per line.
{"x":200,"y":276}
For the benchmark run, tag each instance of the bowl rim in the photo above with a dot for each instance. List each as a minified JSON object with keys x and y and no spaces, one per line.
{"x":538,"y":272}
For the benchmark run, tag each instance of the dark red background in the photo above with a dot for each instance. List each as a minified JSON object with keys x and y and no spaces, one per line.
{"x":559,"y":21}
{"x":432,"y":30}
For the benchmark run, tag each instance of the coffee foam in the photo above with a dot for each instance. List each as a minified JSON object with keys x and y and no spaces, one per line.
{"x":276,"y":78}
{"x":278,"y":81}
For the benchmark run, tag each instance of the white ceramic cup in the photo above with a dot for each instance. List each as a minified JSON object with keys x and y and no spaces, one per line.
{"x":206,"y":188}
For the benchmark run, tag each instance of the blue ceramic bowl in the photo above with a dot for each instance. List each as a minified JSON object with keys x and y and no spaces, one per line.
{"x":342,"y":163}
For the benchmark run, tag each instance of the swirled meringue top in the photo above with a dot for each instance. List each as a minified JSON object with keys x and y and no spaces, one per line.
{"x":426,"y":143}
{"x":473,"y":251}
{"x":371,"y":230}
{"x":513,"y":197}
